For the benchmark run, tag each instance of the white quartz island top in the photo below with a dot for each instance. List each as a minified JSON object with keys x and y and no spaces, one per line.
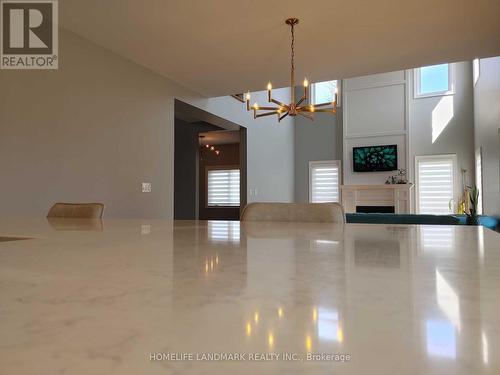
{"x":185,"y":297}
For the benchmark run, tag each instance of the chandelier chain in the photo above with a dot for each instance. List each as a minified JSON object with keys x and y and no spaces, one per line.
{"x":293,"y":48}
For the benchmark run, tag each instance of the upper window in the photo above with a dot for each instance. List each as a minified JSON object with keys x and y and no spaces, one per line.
{"x":435,"y":175}
{"x":324,"y":177}
{"x":223,"y":187}
{"x":435,"y":80}
{"x":324,"y":92}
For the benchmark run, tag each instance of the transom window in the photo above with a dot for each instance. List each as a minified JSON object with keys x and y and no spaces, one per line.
{"x":324,"y":92}
{"x":435,"y":80}
{"x":223,"y":187}
{"x":324,"y":177}
{"x":435,"y":175}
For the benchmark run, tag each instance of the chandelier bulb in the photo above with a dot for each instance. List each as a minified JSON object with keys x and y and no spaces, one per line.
{"x":306,"y":82}
{"x":247,"y":96}
{"x":269,"y":86}
{"x":255,"y":106}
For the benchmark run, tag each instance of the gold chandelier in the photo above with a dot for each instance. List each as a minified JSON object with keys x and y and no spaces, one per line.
{"x":303,"y":107}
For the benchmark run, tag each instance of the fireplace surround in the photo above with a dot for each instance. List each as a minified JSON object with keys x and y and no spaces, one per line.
{"x":377,"y":198}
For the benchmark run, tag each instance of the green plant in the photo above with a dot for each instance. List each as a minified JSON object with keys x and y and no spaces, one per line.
{"x":472,"y":217}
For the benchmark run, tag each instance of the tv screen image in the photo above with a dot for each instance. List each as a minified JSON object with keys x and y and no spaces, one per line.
{"x":375,"y":158}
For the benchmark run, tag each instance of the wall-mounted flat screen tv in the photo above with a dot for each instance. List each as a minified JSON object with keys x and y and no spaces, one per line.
{"x":375,"y":158}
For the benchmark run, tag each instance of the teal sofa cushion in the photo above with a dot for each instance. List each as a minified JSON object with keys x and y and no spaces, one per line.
{"x":490,"y":222}
{"x":376,"y":218}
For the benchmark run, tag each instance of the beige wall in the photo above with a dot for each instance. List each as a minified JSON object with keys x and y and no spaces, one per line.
{"x":99,"y":126}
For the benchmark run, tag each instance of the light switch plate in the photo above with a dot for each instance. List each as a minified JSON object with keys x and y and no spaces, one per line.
{"x":146,"y":187}
{"x":145,"y":229}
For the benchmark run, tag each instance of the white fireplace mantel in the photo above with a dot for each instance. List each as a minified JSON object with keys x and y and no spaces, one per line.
{"x":397,"y":195}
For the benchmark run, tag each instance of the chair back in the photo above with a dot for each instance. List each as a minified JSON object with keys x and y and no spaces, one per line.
{"x":77,"y":210}
{"x":296,"y":212}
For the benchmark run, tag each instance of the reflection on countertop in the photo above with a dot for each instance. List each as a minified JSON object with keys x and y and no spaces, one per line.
{"x":397,"y":299}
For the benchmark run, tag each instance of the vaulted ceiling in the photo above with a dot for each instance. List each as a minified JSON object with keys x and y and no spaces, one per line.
{"x":219,"y":47}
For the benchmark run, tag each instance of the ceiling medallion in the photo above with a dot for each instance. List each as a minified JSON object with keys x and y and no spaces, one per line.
{"x":303,"y":107}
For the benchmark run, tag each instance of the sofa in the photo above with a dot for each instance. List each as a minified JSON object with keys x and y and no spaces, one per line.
{"x":490,"y":222}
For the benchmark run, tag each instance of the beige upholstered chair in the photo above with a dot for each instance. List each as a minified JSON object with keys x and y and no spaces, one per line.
{"x":298,"y":212}
{"x":77,"y":210}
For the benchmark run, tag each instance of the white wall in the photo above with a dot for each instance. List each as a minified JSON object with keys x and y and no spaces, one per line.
{"x":381,"y":109}
{"x":100,"y":125}
{"x":316,"y":140}
{"x":445,"y":124}
{"x":487,"y":131}
{"x":375,"y":113}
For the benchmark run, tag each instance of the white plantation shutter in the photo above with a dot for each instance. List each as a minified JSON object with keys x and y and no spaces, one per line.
{"x":435,"y":183}
{"x":324,"y":181}
{"x":223,"y":187}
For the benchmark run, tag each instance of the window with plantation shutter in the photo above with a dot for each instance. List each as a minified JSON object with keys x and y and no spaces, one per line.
{"x":435,"y":177}
{"x":324,"y":181}
{"x":223,"y":187}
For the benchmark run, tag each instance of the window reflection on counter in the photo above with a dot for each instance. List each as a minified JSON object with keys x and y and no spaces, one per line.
{"x":224,"y":231}
{"x":441,"y":339}
{"x":328,"y":325}
{"x":447,"y":300}
{"x":484,"y":348}
{"x":480,"y":242}
{"x":438,"y":237}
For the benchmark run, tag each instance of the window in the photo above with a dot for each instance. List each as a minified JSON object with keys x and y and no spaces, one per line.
{"x":324,"y":92}
{"x":223,"y":187}
{"x":324,"y":181}
{"x":435,"y":177}
{"x":435,"y":80}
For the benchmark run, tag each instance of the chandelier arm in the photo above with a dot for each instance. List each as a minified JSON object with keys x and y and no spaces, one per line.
{"x":268,"y":108}
{"x":266,"y":114}
{"x":282,"y":117}
{"x":307,"y":108}
{"x":324,"y":104}
{"x":328,"y":110}
{"x":300,"y":101}
{"x":278,"y":103}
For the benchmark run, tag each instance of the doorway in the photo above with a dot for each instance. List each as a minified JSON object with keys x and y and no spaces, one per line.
{"x":209,"y":166}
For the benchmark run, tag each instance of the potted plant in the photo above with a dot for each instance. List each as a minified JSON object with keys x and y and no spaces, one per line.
{"x":472,"y":218}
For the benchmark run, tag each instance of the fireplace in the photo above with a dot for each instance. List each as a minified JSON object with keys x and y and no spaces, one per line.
{"x":387,"y":198}
{"x":375,"y":209}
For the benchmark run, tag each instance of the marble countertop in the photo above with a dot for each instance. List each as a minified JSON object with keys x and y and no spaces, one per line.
{"x":164,"y":297}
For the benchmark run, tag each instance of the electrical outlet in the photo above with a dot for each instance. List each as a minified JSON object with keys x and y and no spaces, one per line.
{"x":146,"y":187}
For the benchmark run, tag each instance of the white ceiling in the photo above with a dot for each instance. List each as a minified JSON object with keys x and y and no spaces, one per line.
{"x":219,"y":47}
